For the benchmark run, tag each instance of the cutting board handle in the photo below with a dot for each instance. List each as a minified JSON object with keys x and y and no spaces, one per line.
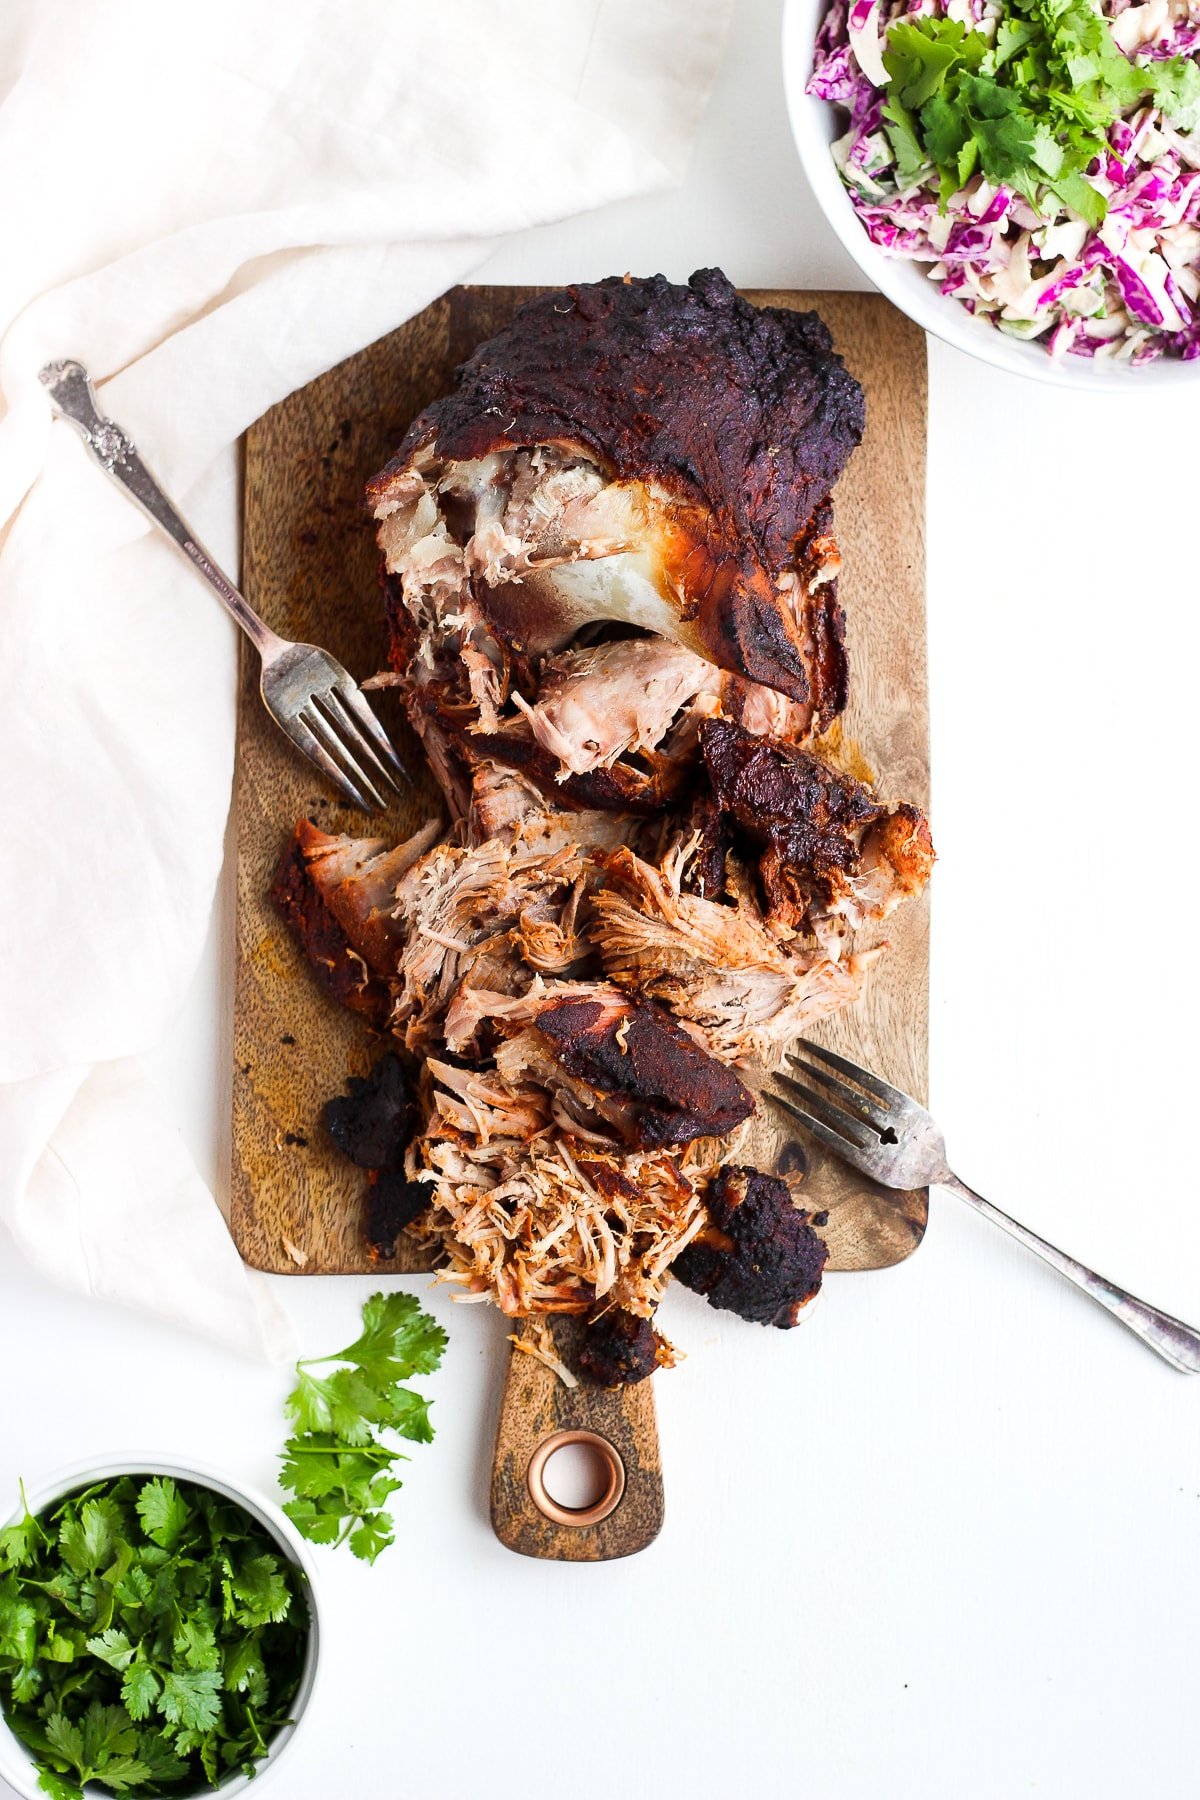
{"x":539,"y":1414}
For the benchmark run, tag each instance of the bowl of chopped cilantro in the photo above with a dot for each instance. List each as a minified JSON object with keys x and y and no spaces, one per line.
{"x":158,"y":1635}
{"x":1022,"y":177}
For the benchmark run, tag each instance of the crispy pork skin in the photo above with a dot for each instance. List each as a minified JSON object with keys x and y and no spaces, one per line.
{"x":830,"y":852}
{"x":622,"y":1058}
{"x":758,"y":1256}
{"x":620,"y":1348}
{"x":638,"y":451}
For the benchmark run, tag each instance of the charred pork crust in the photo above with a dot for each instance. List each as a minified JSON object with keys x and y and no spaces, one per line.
{"x":393,"y":1203}
{"x":370,"y":1123}
{"x":785,"y":798}
{"x":759,"y":1256}
{"x":634,"y":1051}
{"x":812,"y":825}
{"x":335,"y":963}
{"x":620,"y":1349}
{"x":740,"y":418}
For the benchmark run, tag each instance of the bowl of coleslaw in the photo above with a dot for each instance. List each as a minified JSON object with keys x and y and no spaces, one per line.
{"x":1021,"y":177}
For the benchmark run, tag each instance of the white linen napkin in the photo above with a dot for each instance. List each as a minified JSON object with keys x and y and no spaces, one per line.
{"x":208,"y":206}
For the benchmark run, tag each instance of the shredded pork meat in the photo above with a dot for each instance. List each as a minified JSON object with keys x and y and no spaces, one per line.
{"x":717,"y":966}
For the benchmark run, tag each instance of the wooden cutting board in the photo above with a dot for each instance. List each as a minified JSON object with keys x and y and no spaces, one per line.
{"x":310,"y":569}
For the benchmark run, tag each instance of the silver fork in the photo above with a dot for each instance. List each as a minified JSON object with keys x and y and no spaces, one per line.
{"x":306,"y":691}
{"x":892,"y":1139}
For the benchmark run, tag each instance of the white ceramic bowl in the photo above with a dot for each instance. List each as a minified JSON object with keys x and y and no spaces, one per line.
{"x":15,"y":1765}
{"x":815,"y":124}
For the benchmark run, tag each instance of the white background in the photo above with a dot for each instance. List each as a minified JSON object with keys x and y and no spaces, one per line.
{"x":945,"y":1541}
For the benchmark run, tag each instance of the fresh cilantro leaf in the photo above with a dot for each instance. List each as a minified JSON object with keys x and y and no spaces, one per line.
{"x":372,"y":1534}
{"x":243,"y":1665}
{"x":57,"y":1786}
{"x":912,"y":164}
{"x":192,"y":1698}
{"x":122,"y":1773}
{"x":162,"y":1762}
{"x":163,"y":1511}
{"x":1081,"y":197}
{"x":196,"y":1639}
{"x":396,"y":1331}
{"x":27,"y":1683}
{"x":335,"y":1466}
{"x":20,"y":1540}
{"x":139,"y":1690}
{"x":261,"y":1590}
{"x":18,"y":1627}
{"x":88,"y":1540}
{"x":59,"y":1646}
{"x":66,"y":1740}
{"x":112,"y":1647}
{"x":1177,"y":91}
{"x":318,"y":1523}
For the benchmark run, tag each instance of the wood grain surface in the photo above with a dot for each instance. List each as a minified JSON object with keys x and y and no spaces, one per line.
{"x":310,"y":570}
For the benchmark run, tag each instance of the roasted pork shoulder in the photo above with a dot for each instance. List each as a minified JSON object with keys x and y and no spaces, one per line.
{"x":611,"y":588}
{"x":629,"y":451}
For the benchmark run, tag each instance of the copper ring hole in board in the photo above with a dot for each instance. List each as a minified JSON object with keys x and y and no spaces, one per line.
{"x":579,"y":1516}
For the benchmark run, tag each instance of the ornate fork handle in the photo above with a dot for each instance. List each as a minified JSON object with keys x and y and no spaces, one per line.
{"x":1174,"y":1341}
{"x":70,"y":391}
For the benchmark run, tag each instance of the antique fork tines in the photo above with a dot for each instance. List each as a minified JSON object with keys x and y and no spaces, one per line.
{"x":892,"y":1139}
{"x":306,"y":691}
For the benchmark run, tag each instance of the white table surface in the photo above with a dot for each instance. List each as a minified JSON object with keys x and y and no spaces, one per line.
{"x":945,"y":1541}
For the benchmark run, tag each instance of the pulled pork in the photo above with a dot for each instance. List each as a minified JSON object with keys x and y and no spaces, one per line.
{"x":611,"y":585}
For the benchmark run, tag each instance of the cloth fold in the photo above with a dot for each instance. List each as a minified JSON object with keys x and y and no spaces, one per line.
{"x":208,"y":209}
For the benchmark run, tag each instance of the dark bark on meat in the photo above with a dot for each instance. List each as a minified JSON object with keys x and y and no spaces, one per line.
{"x":804,"y":816}
{"x":619,"y":1349}
{"x":759,"y":1256}
{"x":635,"y":1051}
{"x":340,"y":971}
{"x":393,"y":1202}
{"x":371,"y":1122}
{"x":743,"y":416}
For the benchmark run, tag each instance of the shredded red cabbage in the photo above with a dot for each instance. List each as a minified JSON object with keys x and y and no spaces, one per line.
{"x":1128,"y":289}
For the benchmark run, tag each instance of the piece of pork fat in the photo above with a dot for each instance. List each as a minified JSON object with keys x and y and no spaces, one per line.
{"x":573,"y":476}
{"x":545,"y":1223}
{"x":831,"y":855}
{"x":609,"y":1058}
{"x":336,"y":896}
{"x":714,"y":964}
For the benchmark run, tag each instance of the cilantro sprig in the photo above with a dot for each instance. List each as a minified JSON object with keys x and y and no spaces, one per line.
{"x":337,"y":1467}
{"x":152,"y":1637}
{"x":1031,"y":109}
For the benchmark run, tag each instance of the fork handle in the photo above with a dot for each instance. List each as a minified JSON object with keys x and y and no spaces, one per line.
{"x":70,"y":389}
{"x":1174,"y":1341}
